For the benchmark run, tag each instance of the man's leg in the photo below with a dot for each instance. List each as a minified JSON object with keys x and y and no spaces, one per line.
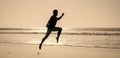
{"x":47,"y":34}
{"x":59,"y":32}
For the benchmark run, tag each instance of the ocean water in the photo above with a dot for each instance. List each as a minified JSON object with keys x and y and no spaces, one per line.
{"x":77,"y":37}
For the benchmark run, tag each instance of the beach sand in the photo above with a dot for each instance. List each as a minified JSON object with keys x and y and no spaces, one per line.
{"x":31,"y":51}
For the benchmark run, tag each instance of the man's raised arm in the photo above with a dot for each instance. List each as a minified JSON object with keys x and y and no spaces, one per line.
{"x":61,"y":16}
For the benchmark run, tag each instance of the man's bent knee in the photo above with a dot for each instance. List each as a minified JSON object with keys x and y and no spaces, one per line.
{"x":60,"y":29}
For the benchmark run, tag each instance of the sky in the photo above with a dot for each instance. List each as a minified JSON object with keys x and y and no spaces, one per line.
{"x":78,"y":13}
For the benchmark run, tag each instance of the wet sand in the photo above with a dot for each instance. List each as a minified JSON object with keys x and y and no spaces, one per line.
{"x":32,"y":51}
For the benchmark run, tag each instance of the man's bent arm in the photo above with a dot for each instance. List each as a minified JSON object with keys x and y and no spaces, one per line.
{"x":61,"y":16}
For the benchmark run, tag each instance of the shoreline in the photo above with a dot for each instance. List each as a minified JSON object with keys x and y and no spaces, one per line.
{"x":32,"y":51}
{"x":62,"y":45}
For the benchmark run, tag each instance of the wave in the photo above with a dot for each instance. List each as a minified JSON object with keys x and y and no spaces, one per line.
{"x":98,"y":29}
{"x":77,"y":29}
{"x":19,"y":29}
{"x":87,"y":46}
{"x":66,"y":33}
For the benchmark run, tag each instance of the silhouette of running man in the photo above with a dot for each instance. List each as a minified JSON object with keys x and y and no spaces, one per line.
{"x":51,"y":27}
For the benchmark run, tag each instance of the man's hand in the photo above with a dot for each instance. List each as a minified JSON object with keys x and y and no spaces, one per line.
{"x":47,"y":25}
{"x":62,"y":14}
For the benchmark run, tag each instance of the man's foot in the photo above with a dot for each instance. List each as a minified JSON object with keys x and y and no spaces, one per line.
{"x":40,"y":46}
{"x":57,"y":39}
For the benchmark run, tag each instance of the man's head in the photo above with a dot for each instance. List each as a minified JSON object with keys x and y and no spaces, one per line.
{"x":55,"y":12}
